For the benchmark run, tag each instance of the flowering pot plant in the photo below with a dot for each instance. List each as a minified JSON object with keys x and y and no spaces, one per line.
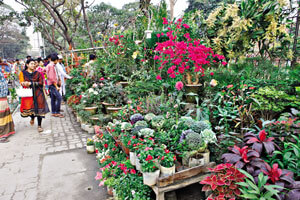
{"x":166,"y":158}
{"x":184,"y":56}
{"x":147,"y":159}
{"x":90,"y":142}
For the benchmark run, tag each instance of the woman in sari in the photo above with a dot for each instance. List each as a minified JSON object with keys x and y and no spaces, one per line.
{"x":35,"y":106}
{"x":6,"y":122}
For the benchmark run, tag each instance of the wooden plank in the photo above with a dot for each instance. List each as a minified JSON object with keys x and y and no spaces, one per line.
{"x":184,"y":174}
{"x":180,"y":184}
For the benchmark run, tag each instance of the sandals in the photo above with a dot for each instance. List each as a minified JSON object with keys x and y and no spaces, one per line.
{"x":40,"y":129}
{"x":4,"y":140}
{"x":58,"y":115}
{"x":31,"y":122}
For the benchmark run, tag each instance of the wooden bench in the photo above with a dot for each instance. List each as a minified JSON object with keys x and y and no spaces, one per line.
{"x":181,"y":179}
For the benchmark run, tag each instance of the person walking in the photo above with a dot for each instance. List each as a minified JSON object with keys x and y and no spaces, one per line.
{"x":6,"y":122}
{"x":35,"y":106}
{"x":62,"y":74}
{"x":53,"y":81}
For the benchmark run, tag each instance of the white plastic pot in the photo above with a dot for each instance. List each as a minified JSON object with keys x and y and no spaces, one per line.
{"x":132,"y":157}
{"x":83,"y":126}
{"x":193,"y":162}
{"x":90,"y":129}
{"x":137,"y":163}
{"x":150,"y":178}
{"x":90,"y":148}
{"x":167,"y":171}
{"x":148,"y":33}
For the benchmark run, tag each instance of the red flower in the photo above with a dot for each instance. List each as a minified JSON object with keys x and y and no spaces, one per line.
{"x":158,"y":77}
{"x":149,"y":157}
{"x":106,"y":145}
{"x":186,"y":26}
{"x":129,"y":142}
{"x":167,"y":151}
{"x":224,"y":63}
{"x":162,"y":158}
{"x":158,"y":35}
{"x":251,"y":88}
{"x":102,"y":79}
{"x":174,"y":158}
{"x":114,"y":149}
{"x":133,"y":137}
{"x":97,"y":151}
{"x":132,"y":171}
{"x":211,"y":73}
{"x":229,"y":86}
{"x":121,"y":36}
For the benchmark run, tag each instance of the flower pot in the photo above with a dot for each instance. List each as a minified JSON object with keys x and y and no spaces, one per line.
{"x":91,"y":109}
{"x":90,"y":129}
{"x":192,"y":89}
{"x":132,"y":157}
{"x":124,"y":84}
{"x":193,"y":162}
{"x":150,"y":178}
{"x":83,"y":126}
{"x":110,"y":191}
{"x":90,"y":149}
{"x":137,"y":163}
{"x":111,"y":110}
{"x":206,"y":157}
{"x":125,"y":149}
{"x":106,"y":105}
{"x":78,"y":119}
{"x":167,"y":171}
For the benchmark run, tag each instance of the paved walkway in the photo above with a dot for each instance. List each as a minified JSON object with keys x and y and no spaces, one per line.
{"x":52,"y":165}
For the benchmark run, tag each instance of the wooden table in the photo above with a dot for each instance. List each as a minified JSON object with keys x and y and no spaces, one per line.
{"x":181,"y":179}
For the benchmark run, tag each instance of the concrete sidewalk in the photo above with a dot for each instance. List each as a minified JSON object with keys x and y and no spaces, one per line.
{"x":52,"y":165}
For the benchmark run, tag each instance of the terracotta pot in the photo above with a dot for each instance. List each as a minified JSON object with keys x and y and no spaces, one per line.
{"x":91,"y":109}
{"x":110,"y":191}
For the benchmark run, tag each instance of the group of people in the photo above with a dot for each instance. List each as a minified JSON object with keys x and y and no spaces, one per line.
{"x":43,"y":77}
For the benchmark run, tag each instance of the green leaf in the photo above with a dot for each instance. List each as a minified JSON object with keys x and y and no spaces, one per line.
{"x":249,"y":196}
{"x":247,"y":174}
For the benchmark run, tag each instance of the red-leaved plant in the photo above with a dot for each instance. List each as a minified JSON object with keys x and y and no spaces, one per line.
{"x":222,"y":182}
{"x":260,"y":141}
{"x":243,"y":157}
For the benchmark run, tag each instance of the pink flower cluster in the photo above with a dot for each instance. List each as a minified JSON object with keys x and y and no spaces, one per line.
{"x":177,"y":57}
{"x":116,"y":39}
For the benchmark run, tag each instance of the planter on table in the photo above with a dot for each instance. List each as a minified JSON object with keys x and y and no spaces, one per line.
{"x":150,"y":178}
{"x":167,"y":171}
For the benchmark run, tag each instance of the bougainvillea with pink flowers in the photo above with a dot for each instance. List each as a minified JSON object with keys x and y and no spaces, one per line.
{"x":183,"y":56}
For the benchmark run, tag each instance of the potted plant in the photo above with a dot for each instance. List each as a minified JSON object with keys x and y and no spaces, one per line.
{"x":167,"y":166}
{"x":196,"y":152}
{"x":90,"y":99}
{"x":149,"y":167}
{"x":90,"y":146}
{"x":184,"y":56}
{"x":113,"y":97}
{"x":130,"y":142}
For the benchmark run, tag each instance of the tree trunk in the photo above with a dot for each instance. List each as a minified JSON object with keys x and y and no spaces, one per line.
{"x":294,"y":61}
{"x":172,"y":4}
{"x":87,"y":24}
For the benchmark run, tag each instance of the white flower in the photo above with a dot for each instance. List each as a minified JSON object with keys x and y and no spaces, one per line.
{"x":213,"y":83}
{"x":132,"y":192}
{"x":94,"y":85}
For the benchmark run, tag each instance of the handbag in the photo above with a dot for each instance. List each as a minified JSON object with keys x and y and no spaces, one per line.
{"x":24,"y":92}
